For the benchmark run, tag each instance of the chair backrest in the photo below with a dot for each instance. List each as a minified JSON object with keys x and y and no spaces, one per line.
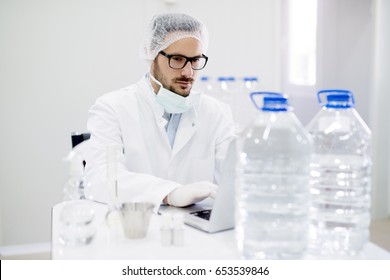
{"x":78,"y":138}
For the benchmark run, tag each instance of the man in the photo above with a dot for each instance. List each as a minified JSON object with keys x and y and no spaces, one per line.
{"x":172,"y":139}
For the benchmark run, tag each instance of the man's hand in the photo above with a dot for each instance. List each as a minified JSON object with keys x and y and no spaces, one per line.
{"x":192,"y":193}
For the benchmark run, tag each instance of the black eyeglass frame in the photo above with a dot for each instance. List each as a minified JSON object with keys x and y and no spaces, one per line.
{"x":188,"y":59}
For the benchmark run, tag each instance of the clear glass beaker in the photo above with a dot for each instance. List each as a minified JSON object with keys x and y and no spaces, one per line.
{"x":76,"y":223}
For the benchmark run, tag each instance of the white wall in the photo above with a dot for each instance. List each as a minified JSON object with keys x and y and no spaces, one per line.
{"x":57,"y":57}
{"x":244,"y":37}
{"x":345,"y":48}
{"x":1,"y":226}
{"x":344,"y":56}
{"x":380,"y":110}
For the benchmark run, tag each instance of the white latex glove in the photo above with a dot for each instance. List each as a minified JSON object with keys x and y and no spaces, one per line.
{"x":191,"y":193}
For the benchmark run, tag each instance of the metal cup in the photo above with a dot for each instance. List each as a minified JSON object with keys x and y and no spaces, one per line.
{"x":135,"y":218}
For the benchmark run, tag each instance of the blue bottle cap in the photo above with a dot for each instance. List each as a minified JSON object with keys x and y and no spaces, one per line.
{"x":272,"y":101}
{"x":250,"y":79}
{"x":336,"y":98}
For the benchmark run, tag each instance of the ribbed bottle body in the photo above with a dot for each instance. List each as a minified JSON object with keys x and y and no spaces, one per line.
{"x":340,"y":183}
{"x":272,"y":196}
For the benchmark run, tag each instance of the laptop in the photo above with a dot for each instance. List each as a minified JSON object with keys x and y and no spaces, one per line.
{"x":221,"y":216}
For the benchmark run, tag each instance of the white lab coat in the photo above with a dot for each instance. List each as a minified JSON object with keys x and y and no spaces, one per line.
{"x":148,"y":168}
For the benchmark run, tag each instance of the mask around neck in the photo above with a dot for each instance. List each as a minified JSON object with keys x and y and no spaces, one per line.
{"x":174,"y":103}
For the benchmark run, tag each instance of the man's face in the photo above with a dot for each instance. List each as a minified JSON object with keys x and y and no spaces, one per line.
{"x":177,"y":80}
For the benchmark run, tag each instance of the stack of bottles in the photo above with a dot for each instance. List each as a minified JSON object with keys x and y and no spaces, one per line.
{"x":235,"y":92}
{"x":303,"y":192}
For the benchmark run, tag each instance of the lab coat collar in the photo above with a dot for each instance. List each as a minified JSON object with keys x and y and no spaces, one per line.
{"x":189,"y":122}
{"x":188,"y":125}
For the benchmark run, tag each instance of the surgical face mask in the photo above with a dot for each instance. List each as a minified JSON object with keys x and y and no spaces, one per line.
{"x":174,"y":103}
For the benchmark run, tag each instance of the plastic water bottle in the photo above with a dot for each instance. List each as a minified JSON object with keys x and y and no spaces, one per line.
{"x":205,"y":85}
{"x":75,"y":186}
{"x":235,"y":93}
{"x":340,"y":178}
{"x":222,"y":92}
{"x":243,"y":110}
{"x":77,"y":215}
{"x":250,"y":83}
{"x":272,"y":183}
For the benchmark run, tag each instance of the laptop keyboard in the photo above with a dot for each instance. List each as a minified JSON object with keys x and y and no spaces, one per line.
{"x":204,"y":214}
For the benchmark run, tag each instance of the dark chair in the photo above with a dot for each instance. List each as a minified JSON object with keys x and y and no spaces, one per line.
{"x":77,"y":138}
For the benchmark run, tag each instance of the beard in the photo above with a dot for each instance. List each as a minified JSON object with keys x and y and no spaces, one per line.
{"x":171,"y":85}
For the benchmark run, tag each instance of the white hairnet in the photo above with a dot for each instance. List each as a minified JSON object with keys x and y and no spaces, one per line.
{"x":165,"y":29}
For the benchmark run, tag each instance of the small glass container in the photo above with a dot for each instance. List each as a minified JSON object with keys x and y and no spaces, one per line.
{"x":178,"y":229}
{"x":166,"y":229}
{"x":77,"y":227}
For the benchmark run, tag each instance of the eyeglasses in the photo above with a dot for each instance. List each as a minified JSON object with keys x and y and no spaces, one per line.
{"x":180,"y":61}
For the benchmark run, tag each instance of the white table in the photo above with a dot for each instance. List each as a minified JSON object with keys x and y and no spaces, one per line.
{"x":109,"y":243}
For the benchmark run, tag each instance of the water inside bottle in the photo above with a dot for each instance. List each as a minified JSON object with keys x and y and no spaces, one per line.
{"x":273,"y":194}
{"x":340,"y":194}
